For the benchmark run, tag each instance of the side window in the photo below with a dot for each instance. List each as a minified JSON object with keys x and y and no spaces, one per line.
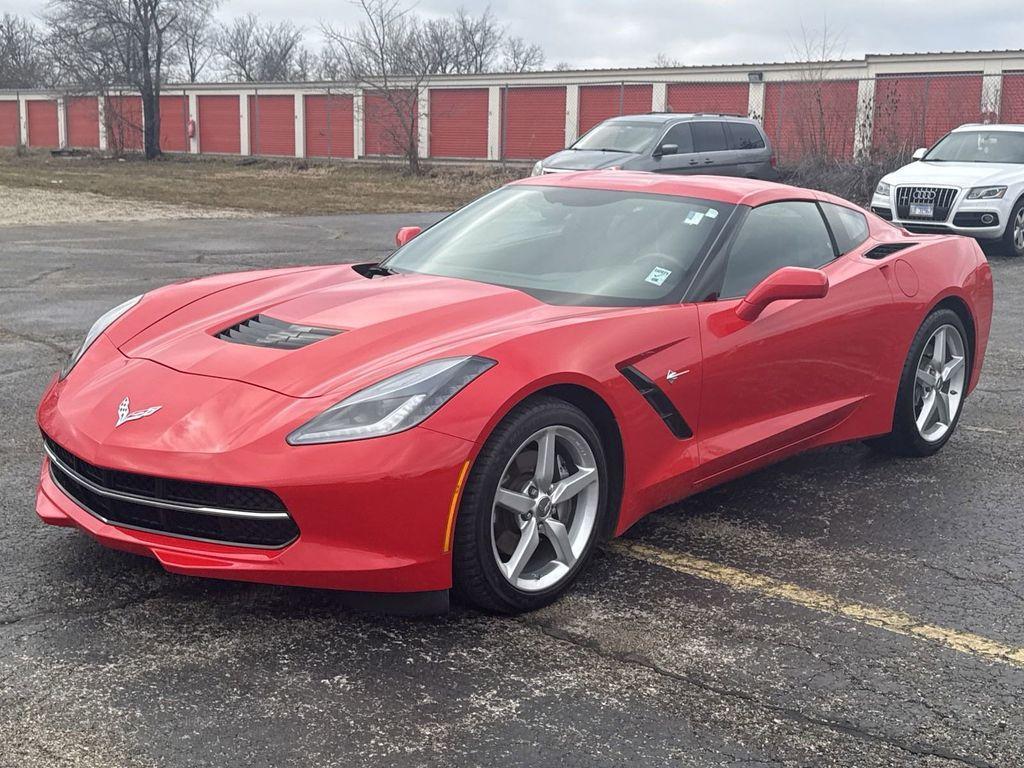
{"x":744,"y":136}
{"x":709,"y":136}
{"x":849,"y":227}
{"x":789,"y":234}
{"x":679,"y":134}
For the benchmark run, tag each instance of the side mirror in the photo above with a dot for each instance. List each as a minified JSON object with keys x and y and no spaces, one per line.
{"x":919,"y":153}
{"x":666,"y":149}
{"x":783,"y":284}
{"x":405,"y":234}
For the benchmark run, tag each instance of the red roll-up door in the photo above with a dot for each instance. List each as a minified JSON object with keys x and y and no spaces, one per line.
{"x":599,"y":102}
{"x":1011,"y":108}
{"x":174,"y":123}
{"x":715,"y":98}
{"x":124,"y":123}
{"x":458,"y":122}
{"x":386,"y":122}
{"x":811,"y":118}
{"x":533,"y":122}
{"x":42,"y":124}
{"x":83,"y":115}
{"x":219,"y":121}
{"x":917,"y":110}
{"x":272,"y":125}
{"x":329,"y":127}
{"x":10,"y":124}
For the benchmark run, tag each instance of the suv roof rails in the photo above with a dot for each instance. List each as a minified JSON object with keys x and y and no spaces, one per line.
{"x":697,"y":114}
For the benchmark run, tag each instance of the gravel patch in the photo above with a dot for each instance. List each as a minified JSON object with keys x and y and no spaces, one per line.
{"x":21,"y":207}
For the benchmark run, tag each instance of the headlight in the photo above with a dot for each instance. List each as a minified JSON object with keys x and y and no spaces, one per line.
{"x":105,"y":321}
{"x":395,"y":404}
{"x":883,"y":189}
{"x":986,"y":193}
{"x":538,"y":168}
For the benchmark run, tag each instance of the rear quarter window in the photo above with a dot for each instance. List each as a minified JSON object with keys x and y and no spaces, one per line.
{"x":744,"y":136}
{"x":849,"y":227}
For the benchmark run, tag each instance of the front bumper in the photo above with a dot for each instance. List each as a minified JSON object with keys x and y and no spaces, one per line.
{"x":373,"y":515}
{"x":965,"y":217}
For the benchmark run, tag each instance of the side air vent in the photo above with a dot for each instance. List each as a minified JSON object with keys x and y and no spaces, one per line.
{"x":881,"y":251}
{"x":263,"y":331}
{"x":659,"y":401}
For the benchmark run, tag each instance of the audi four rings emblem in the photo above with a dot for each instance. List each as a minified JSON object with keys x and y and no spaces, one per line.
{"x":923,"y":195}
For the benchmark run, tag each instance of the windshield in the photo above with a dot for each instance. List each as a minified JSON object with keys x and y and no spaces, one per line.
{"x":979,"y":147}
{"x":572,"y":246}
{"x":621,"y":136}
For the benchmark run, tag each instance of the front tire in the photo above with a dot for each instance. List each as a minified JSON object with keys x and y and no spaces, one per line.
{"x":532,"y":510}
{"x":1012,"y":241}
{"x":932,"y":388}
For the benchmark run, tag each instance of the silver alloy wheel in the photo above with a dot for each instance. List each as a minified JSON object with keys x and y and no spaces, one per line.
{"x":1018,"y":231}
{"x":939,"y":384}
{"x":545,"y":509}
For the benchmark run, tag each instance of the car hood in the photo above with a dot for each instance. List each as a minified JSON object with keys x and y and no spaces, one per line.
{"x":587,"y":160}
{"x":957,"y":174}
{"x":386,"y":325}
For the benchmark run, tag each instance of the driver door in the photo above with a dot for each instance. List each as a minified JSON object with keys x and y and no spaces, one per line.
{"x":684,"y":161}
{"x":803,"y":367}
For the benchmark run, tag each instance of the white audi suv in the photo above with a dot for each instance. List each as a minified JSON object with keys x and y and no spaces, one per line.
{"x":970,"y":183}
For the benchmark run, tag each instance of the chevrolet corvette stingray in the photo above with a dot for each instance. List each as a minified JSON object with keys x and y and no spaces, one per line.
{"x":510,"y":387}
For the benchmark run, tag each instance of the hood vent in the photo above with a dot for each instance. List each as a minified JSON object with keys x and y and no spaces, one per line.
{"x":881,"y":251}
{"x":263,"y":331}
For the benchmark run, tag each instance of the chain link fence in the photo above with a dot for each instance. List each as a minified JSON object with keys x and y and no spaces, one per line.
{"x":805,"y":118}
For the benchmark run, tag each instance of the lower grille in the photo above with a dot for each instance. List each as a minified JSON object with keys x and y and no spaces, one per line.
{"x":256,"y":518}
{"x":940,"y":198}
{"x":976,"y":219}
{"x":885,"y":213}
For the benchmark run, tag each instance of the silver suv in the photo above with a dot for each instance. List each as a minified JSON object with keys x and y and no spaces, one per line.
{"x":724,"y":145}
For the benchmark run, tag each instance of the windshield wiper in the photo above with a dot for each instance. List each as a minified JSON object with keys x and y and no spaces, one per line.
{"x":608,"y":149}
{"x":374,"y":270}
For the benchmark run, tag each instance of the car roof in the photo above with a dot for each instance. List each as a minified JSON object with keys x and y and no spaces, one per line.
{"x":990,"y":127}
{"x":723,"y":189}
{"x":671,"y":117}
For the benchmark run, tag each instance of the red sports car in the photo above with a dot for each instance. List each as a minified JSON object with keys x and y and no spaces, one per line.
{"x":527,"y":377}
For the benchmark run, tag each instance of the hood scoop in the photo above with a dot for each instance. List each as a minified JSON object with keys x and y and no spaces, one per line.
{"x":264,"y":331}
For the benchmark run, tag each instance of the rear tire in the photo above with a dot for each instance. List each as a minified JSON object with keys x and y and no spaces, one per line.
{"x":932,"y":388}
{"x":1012,"y":241}
{"x":523,"y":534}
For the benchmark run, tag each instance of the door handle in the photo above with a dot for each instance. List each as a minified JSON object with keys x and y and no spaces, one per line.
{"x":709,"y":161}
{"x":694,"y":162}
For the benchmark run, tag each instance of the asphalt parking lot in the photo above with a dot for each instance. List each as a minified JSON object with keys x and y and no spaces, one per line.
{"x":837,"y":609}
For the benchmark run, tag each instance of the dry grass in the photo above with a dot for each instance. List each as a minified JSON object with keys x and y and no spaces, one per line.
{"x":262,"y":186}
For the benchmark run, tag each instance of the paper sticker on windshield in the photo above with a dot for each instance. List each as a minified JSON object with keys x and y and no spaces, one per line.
{"x":712,"y":213}
{"x":693,"y":218}
{"x":659,"y":275}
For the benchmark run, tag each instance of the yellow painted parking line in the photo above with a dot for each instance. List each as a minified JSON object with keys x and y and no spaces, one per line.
{"x":890,"y":621}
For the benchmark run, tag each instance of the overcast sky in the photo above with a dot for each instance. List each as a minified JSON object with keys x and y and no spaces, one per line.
{"x":613,"y":33}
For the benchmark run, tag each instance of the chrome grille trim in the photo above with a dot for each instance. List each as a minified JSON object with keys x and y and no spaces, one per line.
{"x":148,"y":502}
{"x":942,"y":198}
{"x":119,"y":524}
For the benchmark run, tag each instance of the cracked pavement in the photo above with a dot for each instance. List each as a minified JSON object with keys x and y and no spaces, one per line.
{"x":107,"y":660}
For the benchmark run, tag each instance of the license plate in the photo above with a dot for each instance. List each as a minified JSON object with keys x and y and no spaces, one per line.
{"x":923,"y":210}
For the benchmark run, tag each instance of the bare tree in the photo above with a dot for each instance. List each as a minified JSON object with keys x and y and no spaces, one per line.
{"x":479,"y":40}
{"x":111,"y":44}
{"x":385,"y":55}
{"x":818,"y":127}
{"x":521,"y":56}
{"x":196,"y":38}
{"x":23,"y":63}
{"x":664,"y":61}
{"x":254,"y":51}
